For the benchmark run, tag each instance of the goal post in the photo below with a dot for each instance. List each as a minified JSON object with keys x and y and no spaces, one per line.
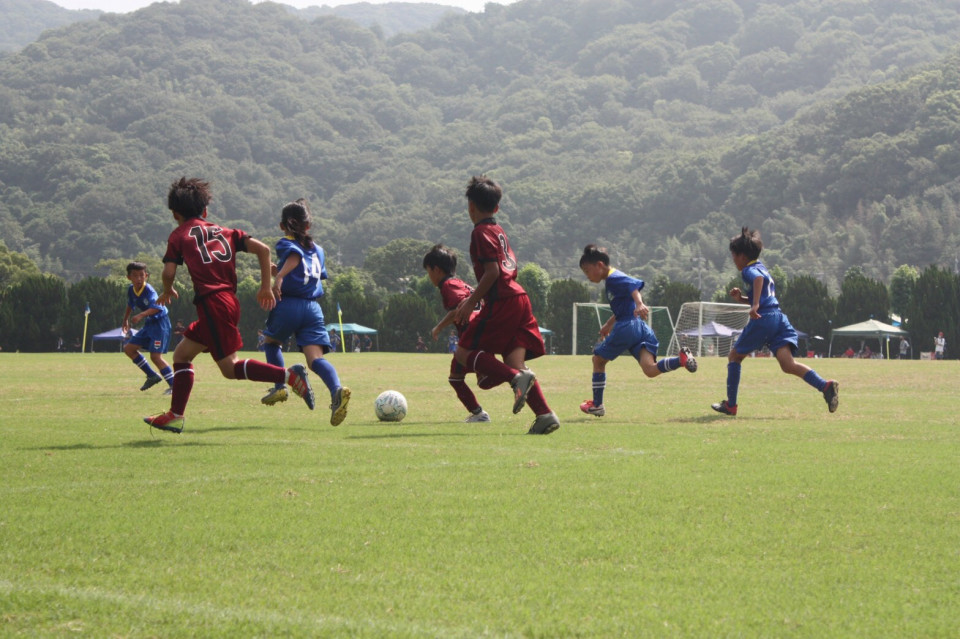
{"x":589,"y":317}
{"x":708,"y":328}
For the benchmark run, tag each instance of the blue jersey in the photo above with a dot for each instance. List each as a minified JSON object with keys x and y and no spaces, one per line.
{"x":619,"y":291}
{"x":767,"y":292}
{"x":304,"y":280}
{"x":143,"y":300}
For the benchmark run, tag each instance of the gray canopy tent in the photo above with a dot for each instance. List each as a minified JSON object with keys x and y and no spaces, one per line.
{"x":116,"y":335}
{"x":871,"y":329}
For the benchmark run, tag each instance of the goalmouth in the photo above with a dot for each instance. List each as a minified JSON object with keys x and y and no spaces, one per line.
{"x":589,"y":317}
{"x":708,"y":328}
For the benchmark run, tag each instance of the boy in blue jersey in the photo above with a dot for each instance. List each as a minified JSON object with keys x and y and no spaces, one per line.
{"x":626,"y":330}
{"x":768,"y":326}
{"x":297,"y":285}
{"x":155,"y":335}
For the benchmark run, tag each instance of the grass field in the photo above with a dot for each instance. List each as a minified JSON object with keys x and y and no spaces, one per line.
{"x":661,"y":519}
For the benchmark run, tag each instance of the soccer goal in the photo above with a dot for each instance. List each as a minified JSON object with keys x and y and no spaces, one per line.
{"x":708,"y":328}
{"x":588,"y":318}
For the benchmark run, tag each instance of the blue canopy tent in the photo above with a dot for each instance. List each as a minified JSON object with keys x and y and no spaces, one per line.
{"x":545,"y":333}
{"x":115,"y":335}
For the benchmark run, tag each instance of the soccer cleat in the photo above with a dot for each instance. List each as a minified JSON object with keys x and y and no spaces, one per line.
{"x":831,"y":394}
{"x":687,"y":360}
{"x":482,"y":416}
{"x":300,"y":384}
{"x":590,"y":409}
{"x":725,"y":408}
{"x":152,"y":380}
{"x":275,"y":396}
{"x":338,"y":409}
{"x":169,"y":391}
{"x":521,"y":384}
{"x":544,"y":424}
{"x":166,"y":421}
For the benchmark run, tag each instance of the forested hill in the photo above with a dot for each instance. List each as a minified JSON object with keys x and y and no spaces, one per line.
{"x":656,"y":128}
{"x":21,"y":21}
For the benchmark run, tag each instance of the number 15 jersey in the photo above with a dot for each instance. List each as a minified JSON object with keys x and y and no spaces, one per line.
{"x":210,"y":253}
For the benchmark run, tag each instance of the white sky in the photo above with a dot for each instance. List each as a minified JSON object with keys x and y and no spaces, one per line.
{"x":125,"y":6}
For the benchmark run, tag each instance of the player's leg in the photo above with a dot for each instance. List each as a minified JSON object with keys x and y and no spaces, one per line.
{"x":183,"y":357}
{"x":273,"y":350}
{"x":830,"y":389}
{"x":132,"y":350}
{"x":457,"y":381}
{"x":599,"y":383}
{"x":339,"y":394}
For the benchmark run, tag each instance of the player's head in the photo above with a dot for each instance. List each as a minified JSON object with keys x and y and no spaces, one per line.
{"x":440,"y":263}
{"x":484,"y":194}
{"x":295,"y":222}
{"x":189,"y":197}
{"x":748,"y":244}
{"x":595,"y":263}
{"x":137,"y":272}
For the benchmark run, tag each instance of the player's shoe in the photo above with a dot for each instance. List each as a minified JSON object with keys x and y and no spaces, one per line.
{"x":152,"y":380}
{"x":166,"y":421}
{"x":474,"y":418}
{"x":831,"y":394}
{"x":338,"y":409}
{"x":687,"y":360}
{"x":169,"y":391}
{"x":521,"y":384}
{"x":275,"y":396}
{"x":544,"y":424}
{"x":300,"y":384}
{"x":725,"y":408}
{"x":590,"y":409}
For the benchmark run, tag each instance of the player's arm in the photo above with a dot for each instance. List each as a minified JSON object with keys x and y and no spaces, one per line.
{"x":292,"y":261}
{"x":443,"y":323}
{"x":641,"y":310}
{"x":265,"y":295}
{"x":167,"y":277}
{"x":125,"y":324}
{"x":755,"y":303}
{"x":491,"y":273}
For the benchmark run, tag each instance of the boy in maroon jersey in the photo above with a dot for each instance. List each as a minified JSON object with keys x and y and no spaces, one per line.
{"x":441,"y":265}
{"x":505,"y":323}
{"x":210,"y":253}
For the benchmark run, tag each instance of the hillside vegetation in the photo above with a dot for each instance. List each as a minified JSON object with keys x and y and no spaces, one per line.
{"x":656,"y":128}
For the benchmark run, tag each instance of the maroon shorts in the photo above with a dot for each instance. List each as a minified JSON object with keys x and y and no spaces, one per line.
{"x":503,"y":325}
{"x":216,"y":328}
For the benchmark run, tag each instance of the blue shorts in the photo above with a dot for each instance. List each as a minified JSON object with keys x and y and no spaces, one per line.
{"x":300,"y":317}
{"x":154,"y":336}
{"x":629,"y":335}
{"x":773,"y":330}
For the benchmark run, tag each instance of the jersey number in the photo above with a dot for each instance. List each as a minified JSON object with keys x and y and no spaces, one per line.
{"x":204,"y":235}
{"x":508,"y":263}
{"x":312,"y":269}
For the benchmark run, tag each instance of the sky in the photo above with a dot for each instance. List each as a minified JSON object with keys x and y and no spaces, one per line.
{"x":125,"y":6}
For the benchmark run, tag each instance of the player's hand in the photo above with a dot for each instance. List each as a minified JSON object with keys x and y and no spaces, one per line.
{"x":435,"y":333}
{"x":266,"y":299}
{"x":754,"y":314}
{"x":736,"y":294}
{"x":642,"y":311}
{"x":463,"y":311}
{"x":168,"y":296}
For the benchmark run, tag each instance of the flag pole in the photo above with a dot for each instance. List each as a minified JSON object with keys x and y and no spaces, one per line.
{"x":343,"y":338}
{"x":86,"y":319}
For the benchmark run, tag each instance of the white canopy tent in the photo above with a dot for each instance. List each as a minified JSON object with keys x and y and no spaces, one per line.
{"x":871,"y":329}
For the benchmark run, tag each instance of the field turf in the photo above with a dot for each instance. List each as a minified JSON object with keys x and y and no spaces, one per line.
{"x":662,"y":519}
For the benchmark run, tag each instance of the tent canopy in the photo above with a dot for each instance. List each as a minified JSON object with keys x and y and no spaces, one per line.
{"x":869,"y":329}
{"x":351,"y":329}
{"x":114,"y":335}
{"x":711,"y":329}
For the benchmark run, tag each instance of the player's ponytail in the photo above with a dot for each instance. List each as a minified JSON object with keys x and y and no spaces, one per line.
{"x":593,"y":254}
{"x":295,"y":220}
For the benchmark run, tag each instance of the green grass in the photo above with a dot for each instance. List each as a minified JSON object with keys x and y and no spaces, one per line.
{"x":660,"y":519}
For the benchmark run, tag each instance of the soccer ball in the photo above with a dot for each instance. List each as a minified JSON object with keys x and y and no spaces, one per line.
{"x":390,"y":406}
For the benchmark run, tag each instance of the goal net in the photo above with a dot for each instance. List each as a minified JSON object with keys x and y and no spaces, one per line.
{"x":588,"y":318}
{"x":708,"y":328}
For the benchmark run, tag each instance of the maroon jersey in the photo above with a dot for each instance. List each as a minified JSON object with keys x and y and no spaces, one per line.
{"x":452,"y":292}
{"x":210,"y":253}
{"x":488,"y":243}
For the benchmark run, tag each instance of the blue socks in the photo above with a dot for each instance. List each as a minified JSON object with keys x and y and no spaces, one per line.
{"x":274,"y":356}
{"x":599,"y":383}
{"x":144,"y":365}
{"x":668,"y":364}
{"x":815,"y":380}
{"x":167,"y":374}
{"x":733,"y":382}
{"x":327,"y":373}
